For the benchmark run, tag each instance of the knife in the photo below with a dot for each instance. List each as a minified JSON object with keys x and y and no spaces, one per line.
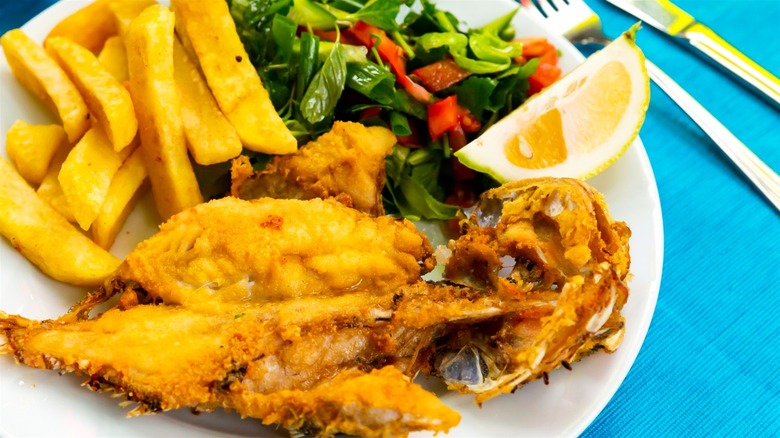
{"x":669,"y":18}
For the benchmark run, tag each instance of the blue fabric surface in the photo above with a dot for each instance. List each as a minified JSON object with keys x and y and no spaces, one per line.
{"x":710,"y":364}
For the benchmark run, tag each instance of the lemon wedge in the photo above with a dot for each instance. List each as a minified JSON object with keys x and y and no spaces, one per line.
{"x":576,"y":127}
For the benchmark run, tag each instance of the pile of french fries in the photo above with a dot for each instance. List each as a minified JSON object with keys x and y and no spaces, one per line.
{"x":139,"y":90}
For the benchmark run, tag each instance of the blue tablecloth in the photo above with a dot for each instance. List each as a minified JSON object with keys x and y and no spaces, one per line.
{"x":710,"y":364}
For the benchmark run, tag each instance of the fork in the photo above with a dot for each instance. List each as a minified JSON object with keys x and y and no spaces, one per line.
{"x":580,"y":25}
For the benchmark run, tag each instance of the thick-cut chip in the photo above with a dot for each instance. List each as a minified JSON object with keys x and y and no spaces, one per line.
{"x":86,"y":175}
{"x":126,"y":187}
{"x":125,"y":11}
{"x":113,"y":58}
{"x":90,"y":26}
{"x":210,"y":136}
{"x":149,"y":42}
{"x":45,"y":238}
{"x":40,"y":74}
{"x":31,"y":148}
{"x":50,"y":189}
{"x":106,"y":98}
{"x":231,"y":76}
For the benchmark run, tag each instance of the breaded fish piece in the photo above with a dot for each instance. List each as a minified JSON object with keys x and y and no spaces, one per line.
{"x":349,"y":160}
{"x":323,"y":363}
{"x":552,"y":244}
{"x":231,"y":250}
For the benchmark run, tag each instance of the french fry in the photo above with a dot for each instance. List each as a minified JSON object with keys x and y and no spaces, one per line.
{"x":50,"y":189}
{"x":106,"y":98}
{"x":149,"y":42}
{"x":233,"y":80}
{"x":211,"y":138}
{"x":113,"y":58}
{"x":125,"y":11}
{"x":126,"y":187}
{"x":40,"y":74}
{"x":90,"y":26}
{"x":86,"y":175}
{"x":45,"y":238}
{"x":31,"y":148}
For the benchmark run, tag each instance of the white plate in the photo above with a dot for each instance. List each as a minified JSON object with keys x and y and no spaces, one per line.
{"x":42,"y":403}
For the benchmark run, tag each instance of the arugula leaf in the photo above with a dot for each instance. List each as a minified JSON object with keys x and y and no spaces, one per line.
{"x":514,"y":84}
{"x":277,"y":84}
{"x":380,"y":13}
{"x":326,"y":87}
{"x":472,"y":92}
{"x":422,"y":203}
{"x":397,"y":202}
{"x":501,"y":23}
{"x":526,"y":70}
{"x":253,"y":19}
{"x":427,"y":174}
{"x":412,"y":184}
{"x":395,"y":164}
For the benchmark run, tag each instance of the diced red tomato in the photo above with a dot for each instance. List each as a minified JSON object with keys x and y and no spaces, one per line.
{"x":534,"y":47}
{"x":468,"y":121}
{"x":369,"y":35}
{"x":390,"y":53}
{"x":443,"y":116}
{"x":547,"y":72}
{"x":549,"y":57}
{"x":441,"y":74}
{"x":538,"y":47}
{"x":457,"y":138}
{"x":544,"y":75}
{"x":414,"y":140}
{"x":370,"y":113}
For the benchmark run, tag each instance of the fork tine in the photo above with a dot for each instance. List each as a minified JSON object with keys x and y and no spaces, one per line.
{"x":531,"y":7}
{"x":546,"y":7}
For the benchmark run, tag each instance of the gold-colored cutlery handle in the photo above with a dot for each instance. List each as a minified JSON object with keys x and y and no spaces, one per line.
{"x":706,"y":40}
{"x":761,"y":175}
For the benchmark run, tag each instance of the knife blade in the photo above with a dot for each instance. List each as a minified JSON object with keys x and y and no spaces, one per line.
{"x":670,"y":19}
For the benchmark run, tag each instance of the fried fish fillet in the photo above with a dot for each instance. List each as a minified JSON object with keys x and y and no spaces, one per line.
{"x":230,"y":250}
{"x":326,"y":363}
{"x":348,"y":161}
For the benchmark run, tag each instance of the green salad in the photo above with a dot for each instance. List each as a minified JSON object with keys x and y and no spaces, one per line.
{"x":403,"y":64}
